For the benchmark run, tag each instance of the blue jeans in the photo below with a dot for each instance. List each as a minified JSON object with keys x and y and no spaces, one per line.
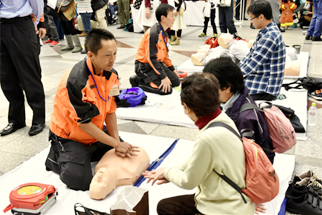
{"x":86,"y":19}
{"x":59,"y":27}
{"x":113,"y":8}
{"x":316,"y":22}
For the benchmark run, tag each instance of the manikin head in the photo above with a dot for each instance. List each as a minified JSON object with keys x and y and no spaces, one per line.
{"x":225,"y":39}
{"x":112,"y":171}
{"x":101,"y":49}
{"x":260,"y":13}
{"x":229,"y":75}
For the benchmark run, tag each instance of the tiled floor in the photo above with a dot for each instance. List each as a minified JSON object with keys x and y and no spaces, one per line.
{"x":19,"y":147}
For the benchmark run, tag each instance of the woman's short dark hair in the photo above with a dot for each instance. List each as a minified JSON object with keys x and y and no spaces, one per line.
{"x":200,"y":92}
{"x":259,"y":7}
{"x":94,"y":37}
{"x":227,"y":72}
{"x":163,"y":10}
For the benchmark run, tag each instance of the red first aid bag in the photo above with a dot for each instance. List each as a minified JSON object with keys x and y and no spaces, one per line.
{"x":31,"y":196}
{"x":212,"y":41}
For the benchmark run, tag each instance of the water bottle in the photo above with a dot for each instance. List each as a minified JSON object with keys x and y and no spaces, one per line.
{"x":312,"y":118}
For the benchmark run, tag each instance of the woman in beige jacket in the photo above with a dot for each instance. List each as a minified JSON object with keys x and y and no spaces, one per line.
{"x":215,"y":148}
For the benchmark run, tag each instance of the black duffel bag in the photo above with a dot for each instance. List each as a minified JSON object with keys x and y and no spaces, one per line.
{"x":310,"y":83}
{"x":290,"y":114}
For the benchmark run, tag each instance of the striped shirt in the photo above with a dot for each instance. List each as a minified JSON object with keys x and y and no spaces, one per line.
{"x":263,"y":67}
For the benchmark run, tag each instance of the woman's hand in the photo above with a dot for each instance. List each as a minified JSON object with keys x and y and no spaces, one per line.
{"x":259,"y":208}
{"x":124,"y":149}
{"x":155,"y":175}
{"x":165,"y":85}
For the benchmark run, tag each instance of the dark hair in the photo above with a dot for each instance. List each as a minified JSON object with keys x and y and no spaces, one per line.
{"x":227,"y":72}
{"x":259,"y":7}
{"x":200,"y":92}
{"x":163,"y":10}
{"x":94,"y":37}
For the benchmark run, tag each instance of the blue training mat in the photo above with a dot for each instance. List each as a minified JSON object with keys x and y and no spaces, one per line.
{"x":283,"y":207}
{"x":155,"y":164}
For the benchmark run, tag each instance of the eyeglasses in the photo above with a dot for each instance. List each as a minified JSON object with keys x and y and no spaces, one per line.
{"x":253,"y":18}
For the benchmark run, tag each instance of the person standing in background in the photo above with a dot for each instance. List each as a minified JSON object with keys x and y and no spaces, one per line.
{"x":315,"y":28}
{"x":20,"y":70}
{"x":99,"y":7}
{"x":226,"y":21}
{"x":124,"y":12}
{"x":209,"y":12}
{"x":179,"y":22}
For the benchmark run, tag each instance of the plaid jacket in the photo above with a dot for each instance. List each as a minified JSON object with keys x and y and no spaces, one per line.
{"x":263,"y":67}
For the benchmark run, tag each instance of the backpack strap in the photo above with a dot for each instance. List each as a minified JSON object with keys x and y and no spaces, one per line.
{"x":231,"y":183}
{"x":249,"y":106}
{"x":225,"y":178}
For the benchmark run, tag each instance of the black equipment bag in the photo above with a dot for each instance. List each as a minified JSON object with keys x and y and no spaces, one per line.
{"x":310,"y":83}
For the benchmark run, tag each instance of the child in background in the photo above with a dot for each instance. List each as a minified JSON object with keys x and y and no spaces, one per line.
{"x":287,"y":8}
{"x":209,"y":12}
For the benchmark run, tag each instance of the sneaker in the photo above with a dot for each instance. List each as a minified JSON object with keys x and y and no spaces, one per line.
{"x":121,"y":27}
{"x":215,"y":35}
{"x":252,"y":26}
{"x":202,"y":34}
{"x":317,"y":95}
{"x":134,"y":80}
{"x":311,"y":174}
{"x":54,"y":43}
{"x":309,"y":203}
{"x":48,"y":41}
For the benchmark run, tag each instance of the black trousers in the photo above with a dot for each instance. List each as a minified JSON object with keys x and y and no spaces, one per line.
{"x":72,"y":160}
{"x":173,"y":33}
{"x":20,"y":69}
{"x":146,"y":74}
{"x":212,"y":21}
{"x":226,"y":20}
{"x":178,"y":205}
{"x":68,"y":27}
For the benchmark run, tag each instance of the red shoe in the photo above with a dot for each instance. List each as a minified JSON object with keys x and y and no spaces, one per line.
{"x":48,"y":41}
{"x":54,"y":43}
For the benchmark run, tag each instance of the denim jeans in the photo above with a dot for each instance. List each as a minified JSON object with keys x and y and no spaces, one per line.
{"x":59,"y":27}
{"x":316,"y":22}
{"x":86,"y":19}
{"x":113,"y":8}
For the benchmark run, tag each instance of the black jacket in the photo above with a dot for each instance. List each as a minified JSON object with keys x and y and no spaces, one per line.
{"x":98,"y":4}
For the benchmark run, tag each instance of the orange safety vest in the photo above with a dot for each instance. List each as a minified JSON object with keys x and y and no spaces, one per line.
{"x":78,"y":100}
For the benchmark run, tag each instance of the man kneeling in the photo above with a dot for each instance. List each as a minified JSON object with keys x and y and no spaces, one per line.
{"x":83,"y":102}
{"x":154,"y":70}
